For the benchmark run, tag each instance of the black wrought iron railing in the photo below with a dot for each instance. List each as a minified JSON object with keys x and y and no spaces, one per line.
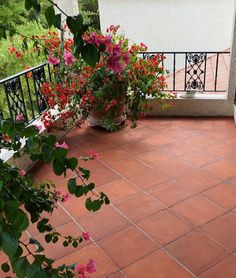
{"x":199,"y":71}
{"x":206,"y":72}
{"x":21,"y":93}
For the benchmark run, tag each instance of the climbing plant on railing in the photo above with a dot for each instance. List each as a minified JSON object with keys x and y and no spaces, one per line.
{"x":22,"y":202}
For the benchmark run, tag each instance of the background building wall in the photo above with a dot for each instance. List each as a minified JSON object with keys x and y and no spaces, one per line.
{"x":172,"y":25}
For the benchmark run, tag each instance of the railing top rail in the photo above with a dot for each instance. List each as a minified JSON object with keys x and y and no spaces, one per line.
{"x":183,"y":52}
{"x":22,"y":73}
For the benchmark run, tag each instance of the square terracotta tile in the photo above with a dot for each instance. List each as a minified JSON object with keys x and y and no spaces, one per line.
{"x":113,"y":155}
{"x":135,"y":146}
{"x":198,"y":158}
{"x":103,"y":175}
{"x":103,"y":222}
{"x":57,"y":250}
{"x":175,"y":168}
{"x":97,"y":145}
{"x":223,"y":230}
{"x":222,"y":169}
{"x":159,"y":140}
{"x":104,"y":265}
{"x":117,"y":275}
{"x":220,"y":150}
{"x":149,"y":178}
{"x":223,"y":194}
{"x":139,"y":207}
{"x":159,"y":263}
{"x":224,"y":269}
{"x":200,"y":141}
{"x":118,"y":190}
{"x":153,"y":157}
{"x":165,"y":227}
{"x":197,"y":252}
{"x":177,"y":149}
{"x":198,"y":210}
{"x":76,"y":207}
{"x":199,"y":180}
{"x":127,"y":246}
{"x":171,"y":192}
{"x":129,"y":167}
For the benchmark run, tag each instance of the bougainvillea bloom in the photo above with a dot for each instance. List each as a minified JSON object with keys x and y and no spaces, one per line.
{"x":91,"y":266}
{"x":62,"y":145}
{"x":66,"y":197}
{"x":39,"y":127}
{"x":19,"y":117}
{"x":6,"y":138}
{"x":69,"y":58}
{"x":22,"y":173}
{"x":85,"y":235}
{"x":53,"y":60}
{"x":93,"y":154}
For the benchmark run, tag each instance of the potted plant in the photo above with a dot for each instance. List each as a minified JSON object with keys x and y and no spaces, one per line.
{"x":120,"y":83}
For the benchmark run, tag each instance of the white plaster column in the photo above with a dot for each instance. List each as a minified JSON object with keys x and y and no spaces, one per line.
{"x":70,"y":7}
{"x":232,"y":73}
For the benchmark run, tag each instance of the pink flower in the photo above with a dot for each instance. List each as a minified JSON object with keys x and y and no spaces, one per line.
{"x":39,"y":127}
{"x":58,"y":193}
{"x":19,"y":118}
{"x":53,"y":60}
{"x":91,"y":266}
{"x":93,"y":154}
{"x":66,"y":197}
{"x":6,"y":138}
{"x":69,"y":58}
{"x":62,"y":145}
{"x":80,"y":268}
{"x":22,"y":173}
{"x":85,"y":235}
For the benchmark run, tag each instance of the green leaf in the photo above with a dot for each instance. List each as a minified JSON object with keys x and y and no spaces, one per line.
{"x":75,"y":244}
{"x":93,"y":205}
{"x":3,"y":33}
{"x":71,"y":185}
{"x":72,"y":163}
{"x":5,"y":267}
{"x":57,"y":21}
{"x":79,"y":44}
{"x":28,"y":4}
{"x":58,"y":167}
{"x":9,"y":244}
{"x":79,"y":191}
{"x":25,"y":44}
{"x":52,"y":18}
{"x":37,"y":243}
{"x":1,"y":185}
{"x":19,"y":266}
{"x":90,"y":54}
{"x":75,"y":23}
{"x":85,"y":172}
{"x":48,"y":238}
{"x":60,"y":153}
{"x":49,"y":15}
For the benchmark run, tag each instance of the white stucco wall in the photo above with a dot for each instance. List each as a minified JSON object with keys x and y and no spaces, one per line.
{"x":172,"y":25}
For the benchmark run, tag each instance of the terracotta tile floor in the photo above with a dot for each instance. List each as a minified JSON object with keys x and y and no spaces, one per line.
{"x":172,"y":186}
